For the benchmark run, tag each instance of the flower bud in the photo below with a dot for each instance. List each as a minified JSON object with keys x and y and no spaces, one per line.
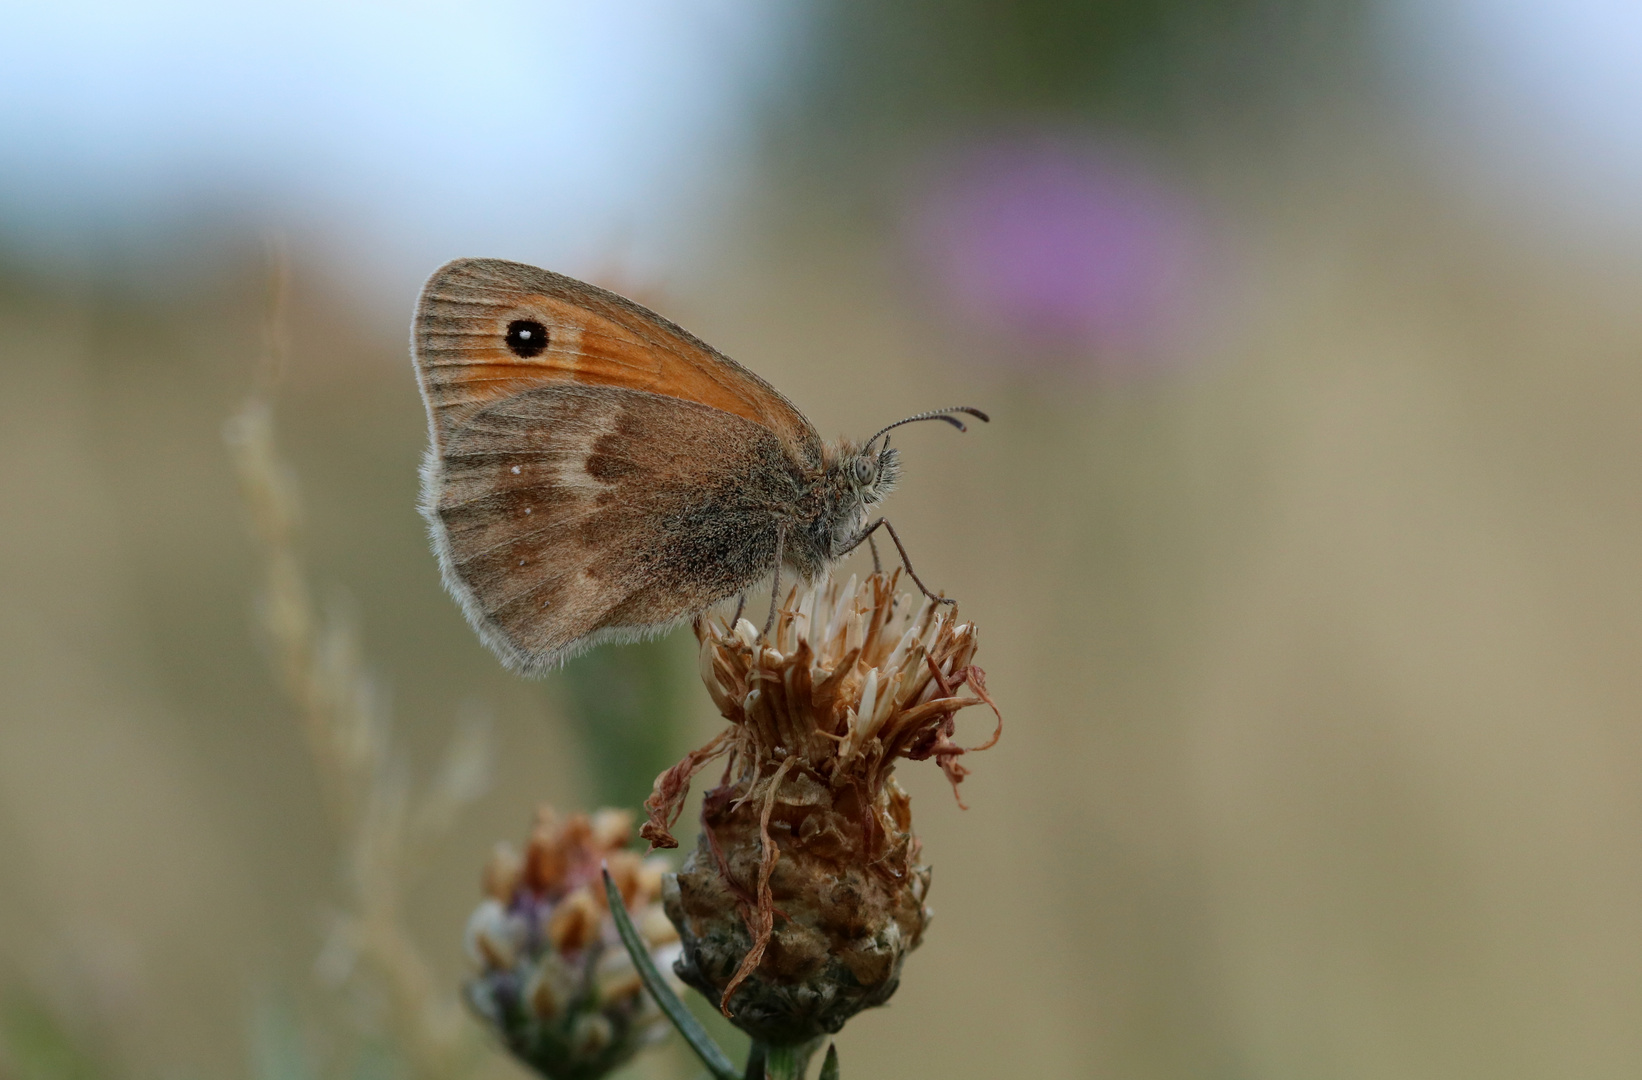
{"x":554,"y":981}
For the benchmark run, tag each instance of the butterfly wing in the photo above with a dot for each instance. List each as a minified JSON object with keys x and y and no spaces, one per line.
{"x":595,"y":472}
{"x":567,"y":515}
{"x":476,"y":342}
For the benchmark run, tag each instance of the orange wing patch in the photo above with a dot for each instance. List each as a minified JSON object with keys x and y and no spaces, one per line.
{"x":594,"y":337}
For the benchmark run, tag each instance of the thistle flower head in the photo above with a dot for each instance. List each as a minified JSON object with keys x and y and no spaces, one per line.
{"x":554,"y":981}
{"x":805,"y":892}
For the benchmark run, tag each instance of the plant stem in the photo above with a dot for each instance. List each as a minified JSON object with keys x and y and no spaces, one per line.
{"x":787,"y":1061}
{"x":688,"y":1026}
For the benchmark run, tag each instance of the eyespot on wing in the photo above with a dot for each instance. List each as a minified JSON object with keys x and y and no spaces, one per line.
{"x":476,"y":342}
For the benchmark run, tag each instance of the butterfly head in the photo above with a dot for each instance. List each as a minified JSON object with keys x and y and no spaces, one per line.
{"x":873,"y":472}
{"x":860,"y":476}
{"x":854,"y":478}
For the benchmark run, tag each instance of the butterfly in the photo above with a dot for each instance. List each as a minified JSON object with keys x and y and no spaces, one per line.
{"x":595,"y":473}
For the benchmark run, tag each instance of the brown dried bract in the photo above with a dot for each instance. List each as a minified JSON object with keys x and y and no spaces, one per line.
{"x":875,"y":681}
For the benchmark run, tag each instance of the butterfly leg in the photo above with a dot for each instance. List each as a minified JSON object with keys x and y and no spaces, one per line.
{"x":740,"y":606}
{"x":866,"y":535}
{"x":877,"y":564}
{"x":775,"y":584}
{"x":906,"y":561}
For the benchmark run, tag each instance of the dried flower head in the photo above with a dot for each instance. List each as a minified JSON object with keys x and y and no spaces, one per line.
{"x":555,"y":982}
{"x":805,"y":892}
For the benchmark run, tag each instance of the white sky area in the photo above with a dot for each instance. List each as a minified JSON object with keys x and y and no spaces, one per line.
{"x":550,"y":130}
{"x":1536,"y":103}
{"x":570,"y":131}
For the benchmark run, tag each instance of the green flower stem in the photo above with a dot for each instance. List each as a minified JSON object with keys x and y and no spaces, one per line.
{"x":788,"y":1061}
{"x":688,"y":1026}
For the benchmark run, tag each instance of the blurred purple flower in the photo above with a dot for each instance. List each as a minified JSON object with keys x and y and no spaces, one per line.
{"x":1060,"y":245}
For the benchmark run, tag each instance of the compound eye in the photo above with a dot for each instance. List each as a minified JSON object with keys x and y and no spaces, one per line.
{"x":865,"y":469}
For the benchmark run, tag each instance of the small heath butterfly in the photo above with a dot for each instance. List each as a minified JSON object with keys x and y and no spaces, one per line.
{"x":595,"y":473}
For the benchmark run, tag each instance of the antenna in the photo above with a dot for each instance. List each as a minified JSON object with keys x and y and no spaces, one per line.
{"x":935,"y":414}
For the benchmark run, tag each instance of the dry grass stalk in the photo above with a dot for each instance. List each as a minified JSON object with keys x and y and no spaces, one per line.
{"x":319,"y":663}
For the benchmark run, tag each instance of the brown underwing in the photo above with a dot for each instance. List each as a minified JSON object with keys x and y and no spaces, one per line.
{"x":595,"y":473}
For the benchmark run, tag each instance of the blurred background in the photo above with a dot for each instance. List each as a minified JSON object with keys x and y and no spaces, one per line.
{"x":1305,"y":545}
